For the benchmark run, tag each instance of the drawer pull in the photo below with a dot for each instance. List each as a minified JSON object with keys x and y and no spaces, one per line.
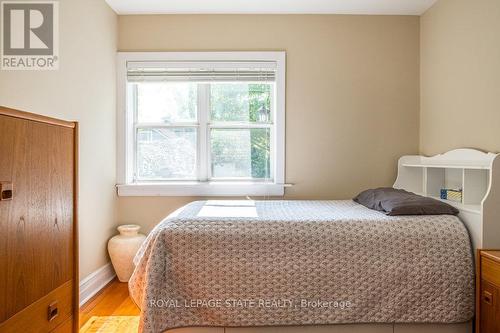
{"x":6,"y":191}
{"x":487,"y":297}
{"x":53,"y":311}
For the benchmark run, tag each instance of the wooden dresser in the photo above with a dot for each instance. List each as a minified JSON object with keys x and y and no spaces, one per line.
{"x":488,"y":292}
{"x":38,"y":231}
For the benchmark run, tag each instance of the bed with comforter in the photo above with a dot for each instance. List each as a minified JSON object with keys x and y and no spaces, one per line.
{"x":277,"y":263}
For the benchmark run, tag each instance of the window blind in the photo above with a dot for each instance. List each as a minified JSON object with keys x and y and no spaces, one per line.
{"x":224,"y":71}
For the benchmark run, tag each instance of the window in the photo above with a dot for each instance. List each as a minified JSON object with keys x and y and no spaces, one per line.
{"x":201,"y":123}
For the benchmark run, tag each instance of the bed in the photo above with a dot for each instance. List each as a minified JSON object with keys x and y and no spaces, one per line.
{"x":284,"y":258}
{"x":305,"y":266}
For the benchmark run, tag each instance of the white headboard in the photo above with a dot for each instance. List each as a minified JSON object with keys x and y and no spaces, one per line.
{"x":476,"y":172}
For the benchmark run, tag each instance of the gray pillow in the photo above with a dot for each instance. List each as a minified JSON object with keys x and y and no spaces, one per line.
{"x":400,"y":202}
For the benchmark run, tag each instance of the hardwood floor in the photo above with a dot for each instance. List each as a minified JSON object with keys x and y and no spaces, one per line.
{"x":113,"y":300}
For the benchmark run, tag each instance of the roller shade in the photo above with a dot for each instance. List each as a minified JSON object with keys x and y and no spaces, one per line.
{"x":242,"y":71}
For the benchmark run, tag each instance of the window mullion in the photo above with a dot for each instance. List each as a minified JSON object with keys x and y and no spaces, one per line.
{"x":134,"y":132}
{"x":272,"y":134}
{"x":203,"y":110}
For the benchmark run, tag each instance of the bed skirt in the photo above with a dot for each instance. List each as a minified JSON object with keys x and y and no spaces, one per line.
{"x":351,"y":328}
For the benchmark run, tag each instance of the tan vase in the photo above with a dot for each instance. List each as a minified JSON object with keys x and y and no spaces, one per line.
{"x":122,"y":249}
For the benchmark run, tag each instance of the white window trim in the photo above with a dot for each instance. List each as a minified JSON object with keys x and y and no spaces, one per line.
{"x":125,"y":153}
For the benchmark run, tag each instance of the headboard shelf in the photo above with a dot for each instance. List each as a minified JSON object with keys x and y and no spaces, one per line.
{"x":446,"y":166}
{"x":471,"y":208}
{"x":475,"y":174}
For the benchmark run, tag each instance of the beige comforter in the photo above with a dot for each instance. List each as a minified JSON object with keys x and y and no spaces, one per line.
{"x":250,"y":263}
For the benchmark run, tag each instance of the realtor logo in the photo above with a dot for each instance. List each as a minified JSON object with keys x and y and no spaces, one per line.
{"x":30,"y":35}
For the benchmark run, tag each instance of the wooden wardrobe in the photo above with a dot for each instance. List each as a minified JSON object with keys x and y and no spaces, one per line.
{"x":38,"y":230}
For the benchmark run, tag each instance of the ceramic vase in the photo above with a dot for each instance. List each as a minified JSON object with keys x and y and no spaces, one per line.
{"x":122,"y":249}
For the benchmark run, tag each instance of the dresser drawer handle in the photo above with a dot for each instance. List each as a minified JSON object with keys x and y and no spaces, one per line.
{"x":53,"y":311}
{"x":487,"y":297}
{"x":6,"y":191}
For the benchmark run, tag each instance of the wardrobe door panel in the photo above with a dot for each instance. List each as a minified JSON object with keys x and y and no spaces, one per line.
{"x":10,"y":130}
{"x":37,"y":224}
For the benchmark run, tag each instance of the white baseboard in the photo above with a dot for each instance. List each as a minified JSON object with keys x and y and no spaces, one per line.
{"x":94,"y":282}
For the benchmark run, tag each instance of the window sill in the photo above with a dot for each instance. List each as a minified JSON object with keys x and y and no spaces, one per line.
{"x":201,"y":189}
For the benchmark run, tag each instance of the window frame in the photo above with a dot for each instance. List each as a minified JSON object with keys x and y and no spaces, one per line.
{"x":126,"y":132}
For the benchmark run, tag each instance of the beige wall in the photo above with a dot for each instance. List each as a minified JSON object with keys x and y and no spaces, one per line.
{"x":460,"y":76}
{"x":352,"y":93}
{"x":83,"y":89}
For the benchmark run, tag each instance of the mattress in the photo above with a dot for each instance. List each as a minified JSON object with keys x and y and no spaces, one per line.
{"x":266,"y":263}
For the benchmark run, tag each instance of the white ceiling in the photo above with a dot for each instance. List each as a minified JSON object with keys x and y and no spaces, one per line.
{"x":364,"y":7}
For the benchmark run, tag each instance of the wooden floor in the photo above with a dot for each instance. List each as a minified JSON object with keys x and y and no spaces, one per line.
{"x":113,"y":300}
